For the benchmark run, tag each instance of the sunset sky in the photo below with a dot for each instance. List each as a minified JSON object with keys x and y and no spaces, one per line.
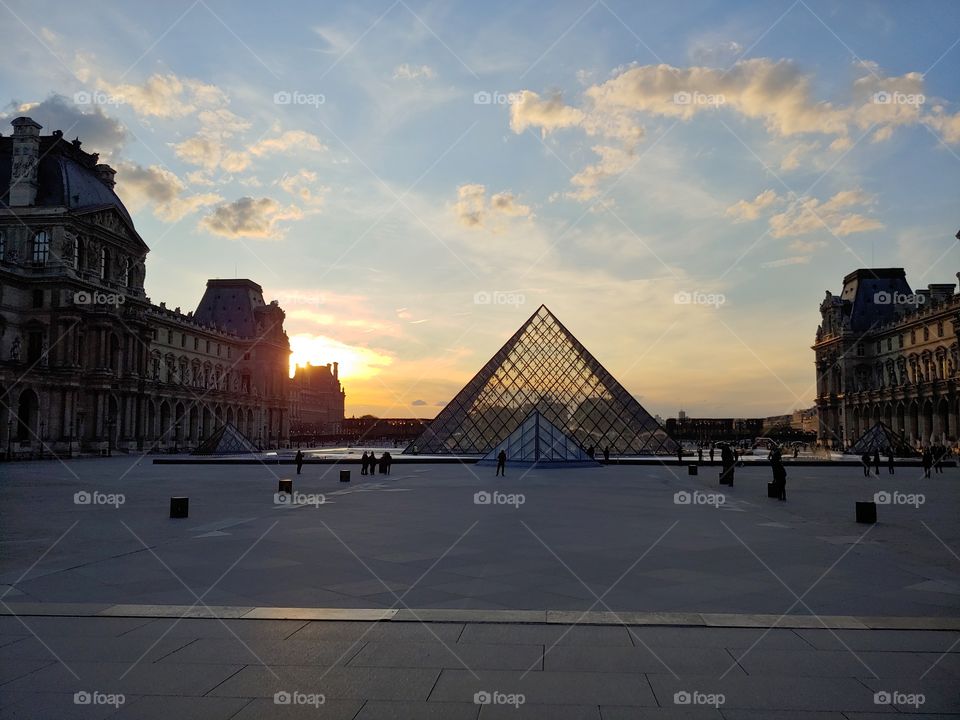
{"x":410,"y":180}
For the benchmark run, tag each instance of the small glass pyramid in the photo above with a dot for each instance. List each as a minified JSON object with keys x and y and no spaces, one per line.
{"x":882,"y":438}
{"x":226,"y":440}
{"x":544,"y":368}
{"x":539,"y":442}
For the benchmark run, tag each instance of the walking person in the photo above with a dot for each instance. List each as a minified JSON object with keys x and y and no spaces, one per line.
{"x":364,"y":462}
{"x":373,"y":463}
{"x":890,"y":461}
{"x":728,"y":462}
{"x":939,"y":453}
{"x":779,"y":476}
{"x":299,"y":461}
{"x":501,"y":464}
{"x":876,"y":460}
{"x":927,"y":461}
{"x":865,"y":459}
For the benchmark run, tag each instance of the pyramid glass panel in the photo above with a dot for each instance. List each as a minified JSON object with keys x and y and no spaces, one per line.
{"x":544,"y":368}
{"x":882,"y":438}
{"x":228,"y":440}
{"x":538,"y":441}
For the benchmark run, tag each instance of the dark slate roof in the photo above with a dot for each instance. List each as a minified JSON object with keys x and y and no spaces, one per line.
{"x":861,"y":287}
{"x":66,"y":178}
{"x":231,"y":305}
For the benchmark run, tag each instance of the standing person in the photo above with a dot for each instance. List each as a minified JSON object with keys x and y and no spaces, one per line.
{"x":865,"y":459}
{"x":501,"y":464}
{"x":728,"y":462}
{"x":383,"y":462}
{"x":679,"y":454}
{"x":939,"y":453}
{"x":927,"y":461}
{"x":876,"y":460}
{"x":606,"y":453}
{"x":890,"y":461}
{"x":779,"y":476}
{"x":299,"y":461}
{"x":700,"y":454}
{"x":590,"y":451}
{"x":711,"y":453}
{"x":364,"y":462}
{"x":796,"y":451}
{"x":373,"y":463}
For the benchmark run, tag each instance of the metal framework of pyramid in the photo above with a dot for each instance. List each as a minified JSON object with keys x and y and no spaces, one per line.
{"x":226,"y":440}
{"x":544,"y":368}
{"x":880,"y":438}
{"x":539,"y":442}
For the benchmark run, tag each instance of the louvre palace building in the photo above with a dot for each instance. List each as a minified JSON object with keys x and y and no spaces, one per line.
{"x":88,"y":363}
{"x":887,"y":353}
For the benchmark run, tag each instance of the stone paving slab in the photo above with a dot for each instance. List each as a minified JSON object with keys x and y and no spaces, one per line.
{"x":456,"y":655}
{"x":335,"y":683}
{"x":262,"y":709}
{"x":640,"y":660}
{"x":510,"y":634}
{"x":378,"y":710}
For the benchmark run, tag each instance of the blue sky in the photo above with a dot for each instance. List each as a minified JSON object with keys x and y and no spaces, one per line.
{"x":632,"y":156}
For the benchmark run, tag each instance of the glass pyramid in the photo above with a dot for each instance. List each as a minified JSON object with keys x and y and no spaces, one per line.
{"x":226,"y":440}
{"x":544,"y":368}
{"x":538,"y":441}
{"x":880,"y":438}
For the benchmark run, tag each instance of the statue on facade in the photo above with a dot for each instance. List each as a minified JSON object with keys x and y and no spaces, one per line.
{"x":15,"y":349}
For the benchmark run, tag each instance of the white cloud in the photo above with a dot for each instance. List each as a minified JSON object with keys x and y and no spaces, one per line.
{"x":474,"y":211}
{"x":166,"y":96}
{"x":530,"y":110}
{"x":412,"y":72}
{"x":809,"y":214}
{"x":303,"y":186}
{"x":250,"y":217}
{"x":746,"y":210}
{"x":159,"y":189}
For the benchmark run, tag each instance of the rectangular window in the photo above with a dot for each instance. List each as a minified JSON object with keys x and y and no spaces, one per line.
{"x":170,"y":337}
{"x":183,"y":340}
{"x":38,"y":298}
{"x":196,"y":343}
{"x":208,"y":347}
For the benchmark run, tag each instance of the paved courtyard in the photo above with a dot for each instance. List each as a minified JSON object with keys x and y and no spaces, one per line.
{"x":616,"y":592}
{"x":605,"y":538}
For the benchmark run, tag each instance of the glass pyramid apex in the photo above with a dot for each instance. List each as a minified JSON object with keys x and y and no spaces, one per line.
{"x":227,"y":440}
{"x":881,"y":438}
{"x":544,"y":368}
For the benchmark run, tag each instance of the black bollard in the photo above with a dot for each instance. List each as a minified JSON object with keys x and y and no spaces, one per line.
{"x":286,"y":486}
{"x":691,"y":469}
{"x":344,"y":476}
{"x":179,"y":507}
{"x":772,"y":490}
{"x":866,"y":513}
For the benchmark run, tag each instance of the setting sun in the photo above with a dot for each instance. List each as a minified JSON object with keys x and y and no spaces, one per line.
{"x":355,"y":362}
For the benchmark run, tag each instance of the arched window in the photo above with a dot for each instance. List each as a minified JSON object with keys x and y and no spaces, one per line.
{"x":41,"y":247}
{"x":104,"y":263}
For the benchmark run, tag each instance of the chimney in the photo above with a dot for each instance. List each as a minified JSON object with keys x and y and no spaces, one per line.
{"x":26,"y":154}
{"x":106,"y":175}
{"x":336,"y":371}
{"x":940,"y":292}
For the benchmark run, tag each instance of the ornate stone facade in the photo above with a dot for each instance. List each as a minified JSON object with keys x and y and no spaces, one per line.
{"x":87,"y":362}
{"x":886,"y":352}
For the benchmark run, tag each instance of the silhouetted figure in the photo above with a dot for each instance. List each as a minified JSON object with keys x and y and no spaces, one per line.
{"x":865,"y":459}
{"x":796,"y":451}
{"x":591,"y":451}
{"x":502,"y":463}
{"x":700,"y":454}
{"x":384,"y":459}
{"x":679,"y":454}
{"x":890,"y":461}
{"x":939,"y":455}
{"x":606,"y":454}
{"x":876,"y":460}
{"x":779,"y":476}
{"x":728,"y":462}
{"x":373,"y":463}
{"x":364,"y":463}
{"x":299,"y":460}
{"x":927,"y":461}
{"x":711,"y":452}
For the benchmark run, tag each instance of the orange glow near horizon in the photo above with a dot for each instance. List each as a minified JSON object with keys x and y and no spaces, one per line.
{"x":354,"y":362}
